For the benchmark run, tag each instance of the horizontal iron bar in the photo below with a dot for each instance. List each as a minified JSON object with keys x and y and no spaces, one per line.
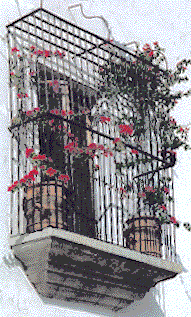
{"x":58,"y":46}
{"x":25,"y":16}
{"x":92,"y":34}
{"x":67,"y":70}
{"x":86,"y":128}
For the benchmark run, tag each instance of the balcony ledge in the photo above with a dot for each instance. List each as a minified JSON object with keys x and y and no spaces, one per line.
{"x":71,"y":267}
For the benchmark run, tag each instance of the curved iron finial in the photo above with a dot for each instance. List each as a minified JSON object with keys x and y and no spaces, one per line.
{"x":92,"y":17}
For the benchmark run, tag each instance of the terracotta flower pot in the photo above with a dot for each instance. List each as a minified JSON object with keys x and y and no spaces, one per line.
{"x":41,"y":216}
{"x":144,"y":235}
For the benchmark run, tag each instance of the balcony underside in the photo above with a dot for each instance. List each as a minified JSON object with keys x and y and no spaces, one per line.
{"x":67,"y":266}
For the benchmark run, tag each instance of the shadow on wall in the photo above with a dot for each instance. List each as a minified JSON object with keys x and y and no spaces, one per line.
{"x":147,"y":307}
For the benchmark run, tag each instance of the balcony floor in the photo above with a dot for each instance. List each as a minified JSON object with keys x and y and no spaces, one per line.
{"x":66,"y":266}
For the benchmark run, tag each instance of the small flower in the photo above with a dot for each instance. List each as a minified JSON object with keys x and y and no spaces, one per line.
{"x":10,"y":188}
{"x":69,"y":145}
{"x":51,"y":122}
{"x":12,"y":74}
{"x":150,"y":189}
{"x":28,"y":152}
{"x":14,"y":49}
{"x":173,"y":220}
{"x":47,"y":53}
{"x":34,"y":172}
{"x":42,"y":167}
{"x":50,"y":159}
{"x":71,"y":112}
{"x":116,"y":140}
{"x":71,"y":135}
{"x":134,"y":151}
{"x":37,"y":109}
{"x":56,"y":111}
{"x":40,"y":52}
{"x":63,"y":113}
{"x":29,"y":113}
{"x":142,"y":194}
{"x":100,"y":147}
{"x":97,"y":167}
{"x":125,"y":129}
{"x":22,"y":180}
{"x":92,"y":146}
{"x":162,"y":207}
{"x":32,"y":48}
{"x":151,"y":53}
{"x":104,"y":119}
{"x":166,"y":190}
{"x":50,"y":171}
{"x":156,"y":43}
{"x":123,"y":190}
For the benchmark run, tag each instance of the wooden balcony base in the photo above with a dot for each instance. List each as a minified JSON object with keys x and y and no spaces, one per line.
{"x":66,"y":266}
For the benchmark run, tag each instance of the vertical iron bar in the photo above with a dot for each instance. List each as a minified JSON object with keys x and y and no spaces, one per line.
{"x":10,"y":101}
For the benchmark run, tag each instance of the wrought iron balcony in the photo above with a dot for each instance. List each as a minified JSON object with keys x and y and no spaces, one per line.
{"x":98,"y":218}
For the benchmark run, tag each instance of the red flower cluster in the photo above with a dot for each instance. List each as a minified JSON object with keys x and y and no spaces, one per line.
{"x":104,"y":119}
{"x":173,"y":220}
{"x":58,"y":53}
{"x":28,"y":152}
{"x":40,"y":157}
{"x":14,"y":49}
{"x":162,"y":207}
{"x":55,"y":85}
{"x":47,"y":53}
{"x":29,"y":113}
{"x":148,"y":50}
{"x":64,"y":178}
{"x":122,"y":190}
{"x":55,"y":111}
{"x":70,"y":146}
{"x":134,"y":151}
{"x":166,"y":190}
{"x":10,"y":188}
{"x":150,"y":189}
{"x":20,"y":96}
{"x":29,"y":176}
{"x":116,"y":140}
{"x":126,"y":129}
{"x":92,"y":146}
{"x":50,"y":171}
{"x":142,"y":194}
